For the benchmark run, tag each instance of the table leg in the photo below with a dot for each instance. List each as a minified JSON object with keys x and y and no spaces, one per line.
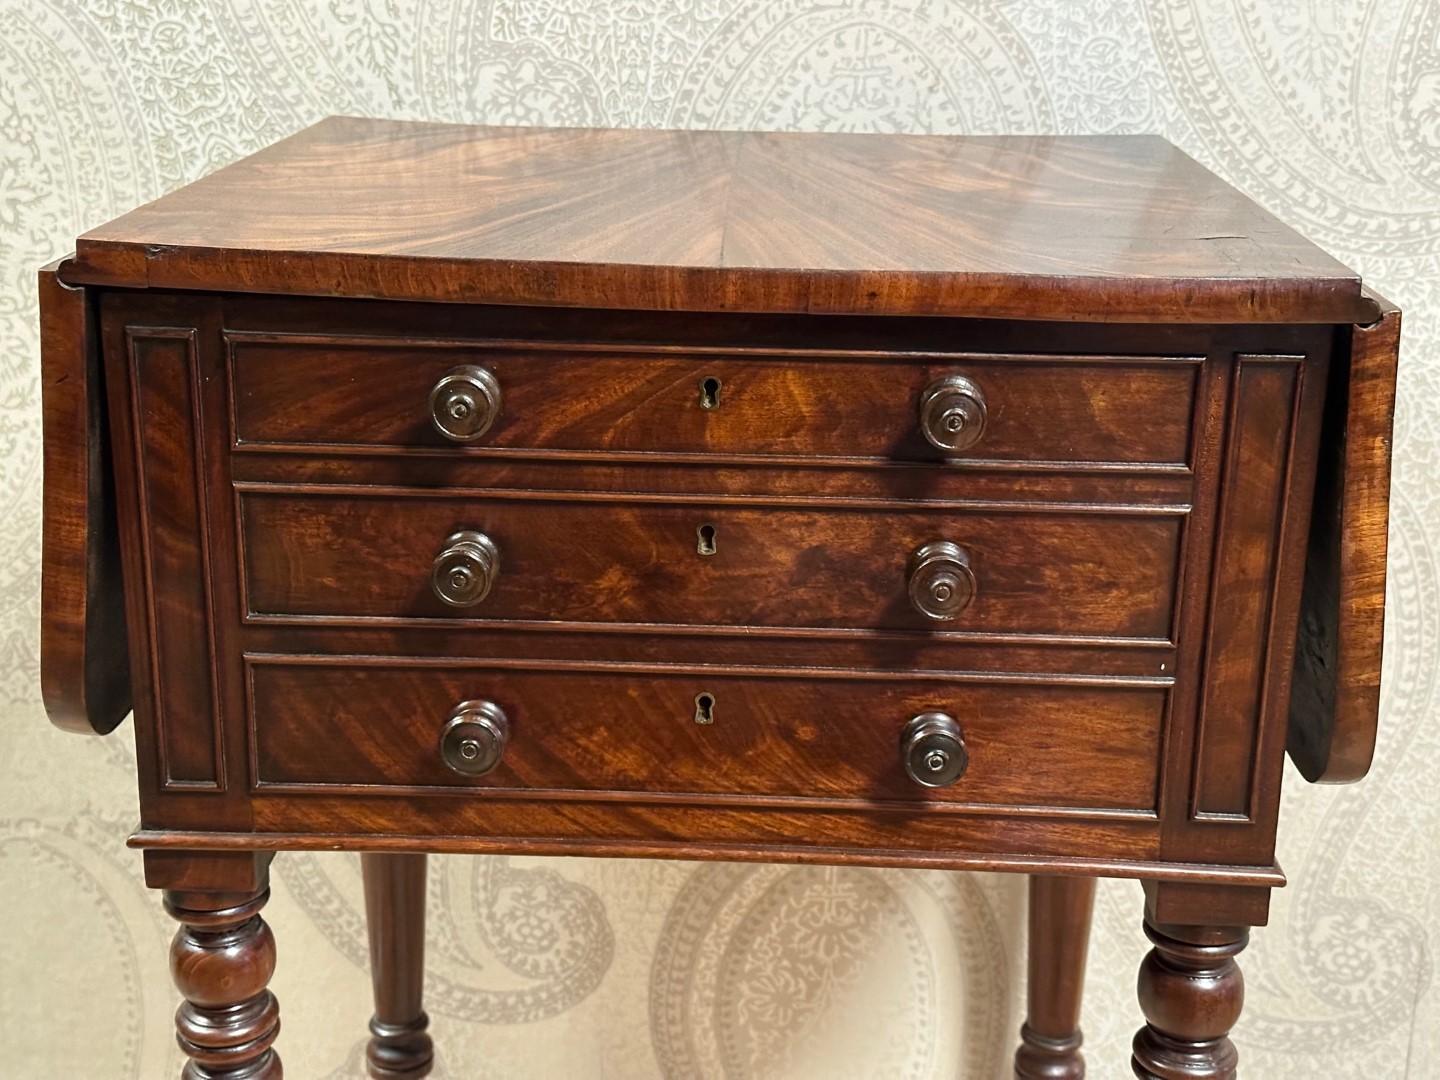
{"x":222,"y":958}
{"x":399,"y":1046}
{"x":1191,"y":991}
{"x":1060,"y":910}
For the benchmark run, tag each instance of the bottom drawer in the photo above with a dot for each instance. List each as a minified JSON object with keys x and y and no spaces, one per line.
{"x":701,"y":734}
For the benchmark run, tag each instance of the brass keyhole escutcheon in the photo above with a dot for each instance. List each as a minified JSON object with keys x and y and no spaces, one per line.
{"x":704,"y":707}
{"x":705,"y":540}
{"x":710,"y":393}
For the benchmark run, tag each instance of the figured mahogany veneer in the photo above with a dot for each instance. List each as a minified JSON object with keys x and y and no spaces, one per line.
{"x":1099,"y":228}
{"x":885,"y":501}
{"x":1060,"y":571}
{"x":825,"y":739}
{"x":363,"y":394}
{"x":84,"y":664}
{"x":1337,"y":666}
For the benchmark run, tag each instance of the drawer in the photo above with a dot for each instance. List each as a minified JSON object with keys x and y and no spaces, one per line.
{"x":341,"y":555}
{"x":603,"y":731}
{"x":366,"y":395}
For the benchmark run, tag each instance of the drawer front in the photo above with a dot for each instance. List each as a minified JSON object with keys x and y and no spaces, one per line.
{"x":342,"y":555}
{"x":1062,"y":411}
{"x":587,"y":732}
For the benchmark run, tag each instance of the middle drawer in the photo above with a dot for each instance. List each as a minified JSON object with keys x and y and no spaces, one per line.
{"x":342,"y":555}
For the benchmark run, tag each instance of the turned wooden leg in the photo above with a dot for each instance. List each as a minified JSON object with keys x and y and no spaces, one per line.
{"x":1191,"y":992}
{"x":222,"y":958}
{"x":395,"y":911}
{"x":1060,"y":909}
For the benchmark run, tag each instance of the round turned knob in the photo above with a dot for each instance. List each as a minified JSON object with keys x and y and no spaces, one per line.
{"x":933,"y":750}
{"x":474,"y":737}
{"x":465,"y":403}
{"x":464,"y":571}
{"x":941,"y":581}
{"x":952,"y":413}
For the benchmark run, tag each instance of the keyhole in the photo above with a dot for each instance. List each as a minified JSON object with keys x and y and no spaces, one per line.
{"x":710,"y":393}
{"x":704,"y":708}
{"x":705,"y":540}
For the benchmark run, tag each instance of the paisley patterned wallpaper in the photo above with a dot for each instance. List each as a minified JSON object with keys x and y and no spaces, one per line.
{"x":1326,"y":111}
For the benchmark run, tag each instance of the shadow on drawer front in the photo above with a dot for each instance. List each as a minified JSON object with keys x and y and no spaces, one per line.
{"x":483,"y":555}
{"x":707,"y":734}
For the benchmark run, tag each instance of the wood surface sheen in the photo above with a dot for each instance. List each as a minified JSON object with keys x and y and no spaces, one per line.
{"x":174,"y":548}
{"x":1039,"y":227}
{"x":1064,"y":571}
{"x":1080,"y":657}
{"x":363,"y":395}
{"x":612,"y":734}
{"x":399,"y":1046}
{"x":1154,"y":354}
{"x":1335,"y":705}
{"x":1191,"y":991}
{"x":1058,"y":938}
{"x":84,"y":661}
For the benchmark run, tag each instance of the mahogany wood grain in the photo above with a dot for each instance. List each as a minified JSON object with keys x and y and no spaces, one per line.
{"x":556,"y":331}
{"x":722,"y":479}
{"x":947,"y":653}
{"x":207,"y":870}
{"x":1191,"y":991}
{"x":1335,"y":704}
{"x":1237,"y":632}
{"x":340,"y":554}
{"x":1114,"y":851}
{"x":648,"y":648}
{"x":1152,"y":350}
{"x":740,"y":221}
{"x":221,"y":959}
{"x":1199,"y":903}
{"x":364,"y":394}
{"x":165,"y":418}
{"x":1260,"y":445}
{"x":84,"y":660}
{"x":1059,"y":938}
{"x":339,"y":725}
{"x":160,"y":401}
{"x":928,"y":835}
{"x":400,"y":1046}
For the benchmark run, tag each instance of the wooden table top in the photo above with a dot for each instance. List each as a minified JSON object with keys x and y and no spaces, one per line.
{"x":1107,"y":228}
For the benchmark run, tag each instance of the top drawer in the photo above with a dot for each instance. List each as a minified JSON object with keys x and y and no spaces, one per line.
{"x":371,"y":394}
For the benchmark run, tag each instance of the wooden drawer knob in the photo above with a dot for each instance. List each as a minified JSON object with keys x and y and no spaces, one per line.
{"x":465,"y":402}
{"x":474,"y":737}
{"x":952,"y":413}
{"x":932,"y":748}
{"x":941,"y":582}
{"x":465,"y":569}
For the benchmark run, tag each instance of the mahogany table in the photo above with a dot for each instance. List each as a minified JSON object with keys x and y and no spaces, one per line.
{"x":976,"y":503}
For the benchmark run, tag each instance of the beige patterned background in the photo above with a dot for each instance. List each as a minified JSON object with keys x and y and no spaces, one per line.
{"x":1326,"y":111}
